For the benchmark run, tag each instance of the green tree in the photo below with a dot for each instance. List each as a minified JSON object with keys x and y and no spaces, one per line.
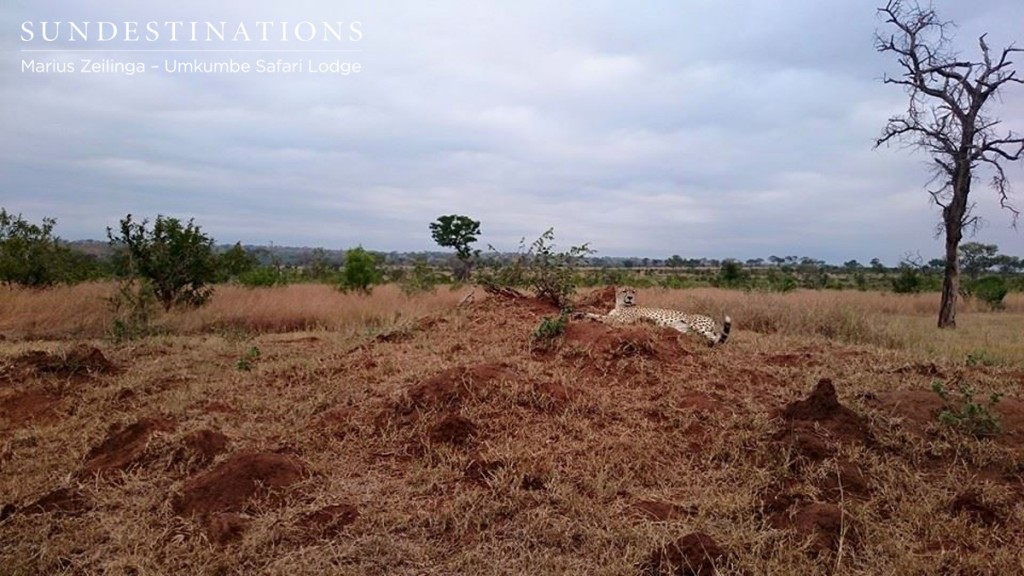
{"x":177,"y":260}
{"x":731,"y":274}
{"x":30,"y":255}
{"x":991,"y":290}
{"x":458,"y":232}
{"x":976,"y":258}
{"x":235,"y":262}
{"x":360,"y":271}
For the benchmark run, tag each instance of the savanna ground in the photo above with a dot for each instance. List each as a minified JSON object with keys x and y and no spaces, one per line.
{"x":410,"y":435}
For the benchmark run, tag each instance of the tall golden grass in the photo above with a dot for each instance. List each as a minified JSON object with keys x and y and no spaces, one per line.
{"x":872,"y":318}
{"x":82,"y":311}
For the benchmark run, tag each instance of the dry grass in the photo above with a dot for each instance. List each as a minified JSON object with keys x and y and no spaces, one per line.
{"x":879,"y":319}
{"x":82,"y":311}
{"x":581,"y":460}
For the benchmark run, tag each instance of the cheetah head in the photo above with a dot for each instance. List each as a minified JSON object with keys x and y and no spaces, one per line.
{"x":625,"y":297}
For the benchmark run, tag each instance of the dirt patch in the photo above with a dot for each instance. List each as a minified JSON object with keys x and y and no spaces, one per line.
{"x":970,"y":503}
{"x":450,"y":387}
{"x":821,"y":522}
{"x":226,"y":528}
{"x":845,"y":481}
{"x":453,"y":429}
{"x":339,"y":422}
{"x":229,"y":486}
{"x":589,"y":339}
{"x":329,"y":521}
{"x":812,"y":426}
{"x":699,"y":402}
{"x":30,"y":406}
{"x":62,"y":501}
{"x":930,"y":370}
{"x":481,"y":471}
{"x":920,"y":409}
{"x":124,"y":448}
{"x":80,"y":361}
{"x":199,"y":448}
{"x":695,"y":554}
{"x":552,"y":395}
{"x":599,"y":301}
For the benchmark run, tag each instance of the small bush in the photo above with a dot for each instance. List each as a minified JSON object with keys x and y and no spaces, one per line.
{"x":420,"y":280}
{"x":991,"y":290}
{"x":248,"y":359}
{"x":781,"y":281}
{"x":908,"y":281}
{"x":360,"y":272}
{"x":549,"y":330}
{"x":972,"y":418}
{"x":176,"y":260}
{"x":550,"y":274}
{"x":30,"y":255}
{"x":731,"y":275}
{"x":133,"y":308}
{"x":262,"y":277}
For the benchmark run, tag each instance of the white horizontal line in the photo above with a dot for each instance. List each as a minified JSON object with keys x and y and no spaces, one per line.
{"x":180,"y":50}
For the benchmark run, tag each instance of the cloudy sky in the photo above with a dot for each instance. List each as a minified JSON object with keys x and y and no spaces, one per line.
{"x":692,"y":127}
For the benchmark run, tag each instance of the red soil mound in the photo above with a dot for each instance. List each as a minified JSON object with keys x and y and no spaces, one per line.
{"x":598,"y":301}
{"x":329,"y":521}
{"x":124,"y":448}
{"x":199,"y":448}
{"x":812,"y":426}
{"x":821,"y":521}
{"x":223,"y":528}
{"x":453,"y":429}
{"x":616,"y":342}
{"x":82,"y":360}
{"x":452,"y":386}
{"x":63,"y":501}
{"x":920,"y":410}
{"x":30,"y":406}
{"x":970,"y":503}
{"x":230,"y":485}
{"x":695,"y":554}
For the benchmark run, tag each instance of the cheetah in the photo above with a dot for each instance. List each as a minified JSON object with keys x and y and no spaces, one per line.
{"x":627,"y":312}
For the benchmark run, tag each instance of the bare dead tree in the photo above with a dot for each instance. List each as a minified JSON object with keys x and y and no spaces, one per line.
{"x":946,"y":117}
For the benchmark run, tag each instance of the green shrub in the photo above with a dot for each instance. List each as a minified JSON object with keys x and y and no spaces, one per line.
{"x":991,"y":290}
{"x":360,"y":272}
{"x":262,"y":277}
{"x":30,"y":255}
{"x":908,"y":281}
{"x":133,"y":308}
{"x":549,"y":330}
{"x":176,"y":260}
{"x":552,"y":275}
{"x":421,"y":279}
{"x":248,"y":359}
{"x":972,"y":417}
{"x":234,"y":263}
{"x":731,"y":275}
{"x":779,"y":281}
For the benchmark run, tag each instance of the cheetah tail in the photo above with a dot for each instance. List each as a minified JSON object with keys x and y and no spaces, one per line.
{"x":726,"y":326}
